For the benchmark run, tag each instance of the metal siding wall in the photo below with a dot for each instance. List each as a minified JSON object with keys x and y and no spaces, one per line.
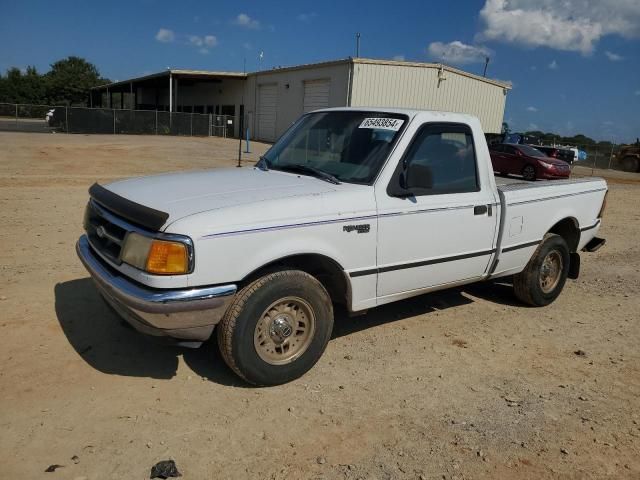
{"x":291,"y":100}
{"x":417,"y":87}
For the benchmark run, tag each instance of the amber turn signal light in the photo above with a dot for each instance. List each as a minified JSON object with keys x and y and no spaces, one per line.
{"x":167,"y":258}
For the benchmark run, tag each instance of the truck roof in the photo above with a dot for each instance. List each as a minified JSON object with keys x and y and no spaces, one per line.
{"x":410,"y":112}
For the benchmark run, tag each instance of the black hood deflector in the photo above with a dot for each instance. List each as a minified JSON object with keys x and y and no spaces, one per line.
{"x":140,"y":215}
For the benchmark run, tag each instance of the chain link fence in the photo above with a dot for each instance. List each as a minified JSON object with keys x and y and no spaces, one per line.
{"x":65,"y":119}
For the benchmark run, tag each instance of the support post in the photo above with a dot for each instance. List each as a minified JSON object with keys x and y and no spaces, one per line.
{"x":610,"y":157}
{"x":239,"y":151}
{"x":248,"y":150}
{"x":170,"y":93}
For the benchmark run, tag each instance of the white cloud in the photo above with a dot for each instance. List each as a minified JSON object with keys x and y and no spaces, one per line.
{"x":203,"y":43}
{"x":533,"y":68}
{"x":307,"y":17}
{"x":571,"y":25}
{"x":244,"y":20}
{"x":458,"y":52}
{"x":614,"y":57}
{"x":532,"y":109}
{"x":553,"y":65}
{"x":399,"y":58}
{"x":165,"y":35}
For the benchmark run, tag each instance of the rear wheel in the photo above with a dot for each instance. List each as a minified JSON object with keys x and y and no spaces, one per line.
{"x":529,"y":173}
{"x":276,"y":328}
{"x":630,"y":164}
{"x":544,"y":277}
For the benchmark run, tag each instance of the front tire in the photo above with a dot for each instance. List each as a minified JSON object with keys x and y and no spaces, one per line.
{"x":544,"y":277}
{"x":529,"y":173}
{"x":277,"y":328}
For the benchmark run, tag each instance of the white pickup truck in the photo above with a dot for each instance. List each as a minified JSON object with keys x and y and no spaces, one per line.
{"x":359,"y":207}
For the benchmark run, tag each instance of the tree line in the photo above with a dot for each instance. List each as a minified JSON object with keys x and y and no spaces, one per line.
{"x":67,"y":83}
{"x":550,"y":138}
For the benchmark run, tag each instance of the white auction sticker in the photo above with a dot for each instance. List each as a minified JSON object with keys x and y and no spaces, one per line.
{"x":382,"y":123}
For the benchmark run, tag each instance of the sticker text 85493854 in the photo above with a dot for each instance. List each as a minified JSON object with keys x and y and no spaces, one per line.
{"x":382,"y":123}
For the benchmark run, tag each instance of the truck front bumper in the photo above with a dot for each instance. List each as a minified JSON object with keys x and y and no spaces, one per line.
{"x":188,"y":315}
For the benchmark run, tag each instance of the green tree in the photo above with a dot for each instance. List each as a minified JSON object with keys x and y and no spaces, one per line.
{"x":69,"y":81}
{"x":505,"y":128}
{"x":18,"y":87}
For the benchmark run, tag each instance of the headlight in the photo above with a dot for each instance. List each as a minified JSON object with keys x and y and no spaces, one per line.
{"x":156,"y":256}
{"x":136,"y":250}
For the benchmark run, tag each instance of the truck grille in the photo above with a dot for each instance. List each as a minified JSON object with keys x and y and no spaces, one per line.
{"x":105,"y":234}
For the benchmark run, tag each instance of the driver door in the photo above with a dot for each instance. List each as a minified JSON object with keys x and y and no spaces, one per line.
{"x":444,"y":232}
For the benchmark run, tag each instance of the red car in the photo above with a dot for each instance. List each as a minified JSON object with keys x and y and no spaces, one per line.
{"x":524,"y":160}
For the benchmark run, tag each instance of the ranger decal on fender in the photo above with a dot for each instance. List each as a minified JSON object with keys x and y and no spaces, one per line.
{"x":362,"y":228}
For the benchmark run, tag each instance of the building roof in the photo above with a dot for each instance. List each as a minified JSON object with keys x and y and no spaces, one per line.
{"x":206,"y":74}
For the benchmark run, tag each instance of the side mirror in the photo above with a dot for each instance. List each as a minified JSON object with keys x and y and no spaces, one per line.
{"x":400,"y":189}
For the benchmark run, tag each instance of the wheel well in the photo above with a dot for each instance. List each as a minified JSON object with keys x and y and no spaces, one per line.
{"x":326,"y":270}
{"x":569,"y":230}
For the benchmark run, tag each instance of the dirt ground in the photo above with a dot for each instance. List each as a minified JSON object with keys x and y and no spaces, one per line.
{"x":466,"y":383}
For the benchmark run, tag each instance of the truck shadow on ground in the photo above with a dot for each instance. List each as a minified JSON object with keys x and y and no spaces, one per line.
{"x":111,"y":346}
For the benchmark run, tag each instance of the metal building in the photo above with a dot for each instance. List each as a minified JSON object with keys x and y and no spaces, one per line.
{"x":267,"y":102}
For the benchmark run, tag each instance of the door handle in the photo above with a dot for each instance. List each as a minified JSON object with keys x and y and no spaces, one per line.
{"x":480,"y":209}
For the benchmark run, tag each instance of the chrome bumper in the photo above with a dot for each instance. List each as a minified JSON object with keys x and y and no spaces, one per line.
{"x":185,"y":314}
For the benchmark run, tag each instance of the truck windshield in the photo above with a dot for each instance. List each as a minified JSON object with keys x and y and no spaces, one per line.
{"x":349,"y":146}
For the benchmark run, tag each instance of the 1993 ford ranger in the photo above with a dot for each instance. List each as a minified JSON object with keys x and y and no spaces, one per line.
{"x":359,"y":207}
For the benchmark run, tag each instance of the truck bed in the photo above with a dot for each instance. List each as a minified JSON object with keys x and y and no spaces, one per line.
{"x":528,"y":208}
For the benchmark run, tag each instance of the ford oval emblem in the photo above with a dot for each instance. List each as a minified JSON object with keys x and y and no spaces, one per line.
{"x":101,"y":231}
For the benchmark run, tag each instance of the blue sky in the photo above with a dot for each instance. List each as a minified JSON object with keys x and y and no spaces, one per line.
{"x":575,"y":64}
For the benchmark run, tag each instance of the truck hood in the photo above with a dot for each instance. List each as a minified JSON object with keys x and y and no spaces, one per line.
{"x":184,"y":194}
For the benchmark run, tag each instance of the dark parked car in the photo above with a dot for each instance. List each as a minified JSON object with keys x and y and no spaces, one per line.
{"x":555,"y":152}
{"x":526,"y":161}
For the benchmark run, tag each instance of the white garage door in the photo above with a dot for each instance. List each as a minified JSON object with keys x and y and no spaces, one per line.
{"x":267,"y":102}
{"x":316,"y":94}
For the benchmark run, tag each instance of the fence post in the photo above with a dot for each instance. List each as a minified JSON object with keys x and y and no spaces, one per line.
{"x":610,"y":157}
{"x":192,"y":124}
{"x":210,"y":123}
{"x":66,"y":117}
{"x":16,"y":116}
{"x":156,"y":121}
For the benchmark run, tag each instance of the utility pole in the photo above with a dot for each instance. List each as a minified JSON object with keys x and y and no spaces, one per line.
{"x":358,"y":45}
{"x":486,"y":64}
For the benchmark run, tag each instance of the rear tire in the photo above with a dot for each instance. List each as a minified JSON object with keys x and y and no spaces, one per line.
{"x":630,"y":164}
{"x":529,"y":173}
{"x":276,"y":328}
{"x":544,"y":277}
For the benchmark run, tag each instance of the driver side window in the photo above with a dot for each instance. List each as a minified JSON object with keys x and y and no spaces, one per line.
{"x":441,"y":160}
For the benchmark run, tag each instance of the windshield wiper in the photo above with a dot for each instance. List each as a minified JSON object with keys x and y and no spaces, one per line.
{"x":312,"y":171}
{"x":263,"y":163}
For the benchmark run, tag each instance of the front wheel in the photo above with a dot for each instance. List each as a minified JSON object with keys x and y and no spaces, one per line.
{"x":277,"y":328}
{"x":544,"y":277}
{"x":529,"y":173}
